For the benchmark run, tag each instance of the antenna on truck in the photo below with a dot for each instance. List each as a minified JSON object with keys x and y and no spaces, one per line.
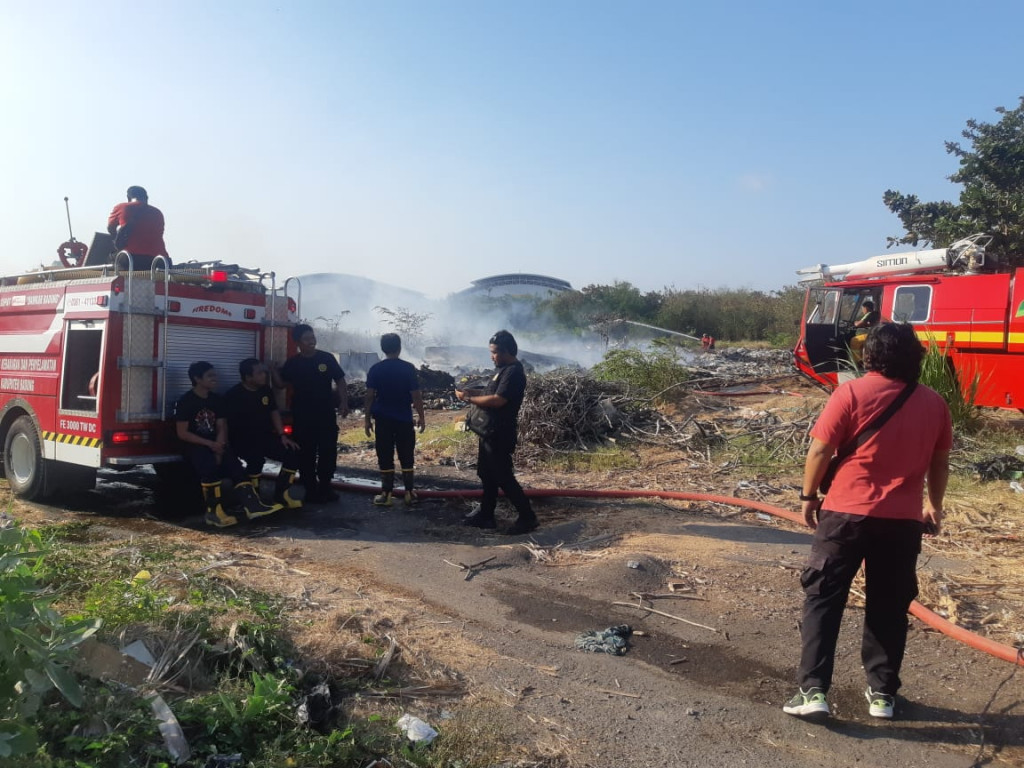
{"x":71,"y":252}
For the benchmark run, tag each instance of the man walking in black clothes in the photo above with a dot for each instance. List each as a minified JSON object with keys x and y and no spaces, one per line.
{"x":502,"y":398}
{"x":318,"y":396}
{"x":257,"y":433}
{"x":202,"y":426}
{"x":392,"y":390}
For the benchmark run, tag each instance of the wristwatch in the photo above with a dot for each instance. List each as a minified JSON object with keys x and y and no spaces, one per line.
{"x":811,"y":497}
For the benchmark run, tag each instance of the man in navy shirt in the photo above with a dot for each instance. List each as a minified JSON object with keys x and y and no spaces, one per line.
{"x":392,"y":390}
{"x":319,"y":394}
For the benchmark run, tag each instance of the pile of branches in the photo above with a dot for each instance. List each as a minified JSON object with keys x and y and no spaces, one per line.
{"x":435,"y":382}
{"x":568,"y":410}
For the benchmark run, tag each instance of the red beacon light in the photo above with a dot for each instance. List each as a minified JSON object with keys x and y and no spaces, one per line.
{"x":218,"y":276}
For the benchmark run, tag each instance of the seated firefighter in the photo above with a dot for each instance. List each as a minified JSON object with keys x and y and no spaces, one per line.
{"x":869,"y":318}
{"x":256,"y":432}
{"x":202,"y":426}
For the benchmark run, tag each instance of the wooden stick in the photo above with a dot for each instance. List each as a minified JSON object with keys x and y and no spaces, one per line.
{"x":666,"y":615}
{"x":618,"y":693}
{"x":665,"y":596}
{"x":469,"y":569}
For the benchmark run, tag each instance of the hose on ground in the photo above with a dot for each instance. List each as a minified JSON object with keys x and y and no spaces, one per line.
{"x":927,"y":616}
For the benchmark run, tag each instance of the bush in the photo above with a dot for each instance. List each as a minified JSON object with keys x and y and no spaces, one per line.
{"x":35,"y":642}
{"x":937,"y":372}
{"x":652,"y":371}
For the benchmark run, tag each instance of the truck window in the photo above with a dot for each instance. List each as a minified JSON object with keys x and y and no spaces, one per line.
{"x":826,"y":304}
{"x":82,"y":347}
{"x":912,"y":303}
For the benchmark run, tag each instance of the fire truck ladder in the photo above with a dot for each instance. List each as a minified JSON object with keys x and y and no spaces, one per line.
{"x":138,"y":362}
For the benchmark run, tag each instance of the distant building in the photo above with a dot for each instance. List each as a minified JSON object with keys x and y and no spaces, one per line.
{"x":518,"y":284}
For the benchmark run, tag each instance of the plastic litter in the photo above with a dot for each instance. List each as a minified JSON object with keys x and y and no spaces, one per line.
{"x":1017,"y":487}
{"x":415,"y":729}
{"x":170,"y":729}
{"x":317,"y":707}
{"x":611,"y":640}
{"x":634,"y":564}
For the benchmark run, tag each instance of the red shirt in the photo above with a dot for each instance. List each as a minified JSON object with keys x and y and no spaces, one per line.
{"x":147,"y":232}
{"x":885,"y":476}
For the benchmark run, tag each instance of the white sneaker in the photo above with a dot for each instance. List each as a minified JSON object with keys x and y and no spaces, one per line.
{"x":880,"y":704}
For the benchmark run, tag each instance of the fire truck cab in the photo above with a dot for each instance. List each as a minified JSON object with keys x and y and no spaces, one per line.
{"x":970,"y":307}
{"x":92,"y":360}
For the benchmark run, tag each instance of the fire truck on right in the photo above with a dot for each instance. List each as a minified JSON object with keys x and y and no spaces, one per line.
{"x":958,"y":298}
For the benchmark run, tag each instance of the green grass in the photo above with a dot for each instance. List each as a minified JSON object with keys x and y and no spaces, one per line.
{"x":601,"y":459}
{"x":242,"y":674}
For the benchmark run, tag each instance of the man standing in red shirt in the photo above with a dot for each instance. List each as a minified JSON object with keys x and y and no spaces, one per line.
{"x":138,"y":227}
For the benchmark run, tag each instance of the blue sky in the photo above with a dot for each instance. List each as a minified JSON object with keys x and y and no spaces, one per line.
{"x":427,"y":144}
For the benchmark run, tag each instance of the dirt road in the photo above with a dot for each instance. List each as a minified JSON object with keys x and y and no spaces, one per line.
{"x":681,"y":696}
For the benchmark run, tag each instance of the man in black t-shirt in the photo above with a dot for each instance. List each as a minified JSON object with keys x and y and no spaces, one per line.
{"x":502,"y":397}
{"x":319,"y":394}
{"x":392,"y":391}
{"x":201,"y":424}
{"x":257,"y":433}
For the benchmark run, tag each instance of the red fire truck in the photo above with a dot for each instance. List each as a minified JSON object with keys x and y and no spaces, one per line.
{"x":92,"y":359}
{"x":967,"y":304}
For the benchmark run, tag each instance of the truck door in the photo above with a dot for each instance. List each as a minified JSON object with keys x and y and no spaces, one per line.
{"x":820,"y":334}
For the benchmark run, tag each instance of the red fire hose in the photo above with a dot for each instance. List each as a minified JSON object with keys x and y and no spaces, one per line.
{"x":929,"y":617}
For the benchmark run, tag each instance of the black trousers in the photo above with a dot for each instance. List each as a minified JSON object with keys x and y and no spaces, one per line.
{"x":318,"y":449}
{"x":205,"y":463}
{"x":254,"y":454}
{"x":391,"y":436}
{"x":495,"y":469}
{"x":889,"y":550}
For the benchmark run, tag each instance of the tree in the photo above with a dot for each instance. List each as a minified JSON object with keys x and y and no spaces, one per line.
{"x":328,"y":329}
{"x":406,"y":323}
{"x":991,"y":201}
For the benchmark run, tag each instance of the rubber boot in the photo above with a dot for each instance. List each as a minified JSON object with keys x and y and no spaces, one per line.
{"x":387,"y":487}
{"x":255,"y":480}
{"x":286,"y":492}
{"x":251,"y":502}
{"x":408,"y":475}
{"x":215,"y":514}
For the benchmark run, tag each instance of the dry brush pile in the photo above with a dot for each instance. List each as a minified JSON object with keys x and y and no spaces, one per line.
{"x":571,"y":411}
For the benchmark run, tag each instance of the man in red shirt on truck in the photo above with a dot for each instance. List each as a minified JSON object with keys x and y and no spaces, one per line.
{"x":138,"y":227}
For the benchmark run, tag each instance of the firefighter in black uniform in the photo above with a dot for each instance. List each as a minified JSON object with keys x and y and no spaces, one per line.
{"x":256,"y":432}
{"x":319,"y":394}
{"x":503,"y":398}
{"x":201,"y":424}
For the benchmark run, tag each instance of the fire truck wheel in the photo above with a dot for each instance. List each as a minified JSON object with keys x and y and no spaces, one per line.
{"x":23,"y":460}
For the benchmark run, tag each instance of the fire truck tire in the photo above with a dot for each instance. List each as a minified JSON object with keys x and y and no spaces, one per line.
{"x":23,"y":460}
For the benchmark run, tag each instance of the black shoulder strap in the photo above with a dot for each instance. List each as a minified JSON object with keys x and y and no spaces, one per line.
{"x":877,"y":423}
